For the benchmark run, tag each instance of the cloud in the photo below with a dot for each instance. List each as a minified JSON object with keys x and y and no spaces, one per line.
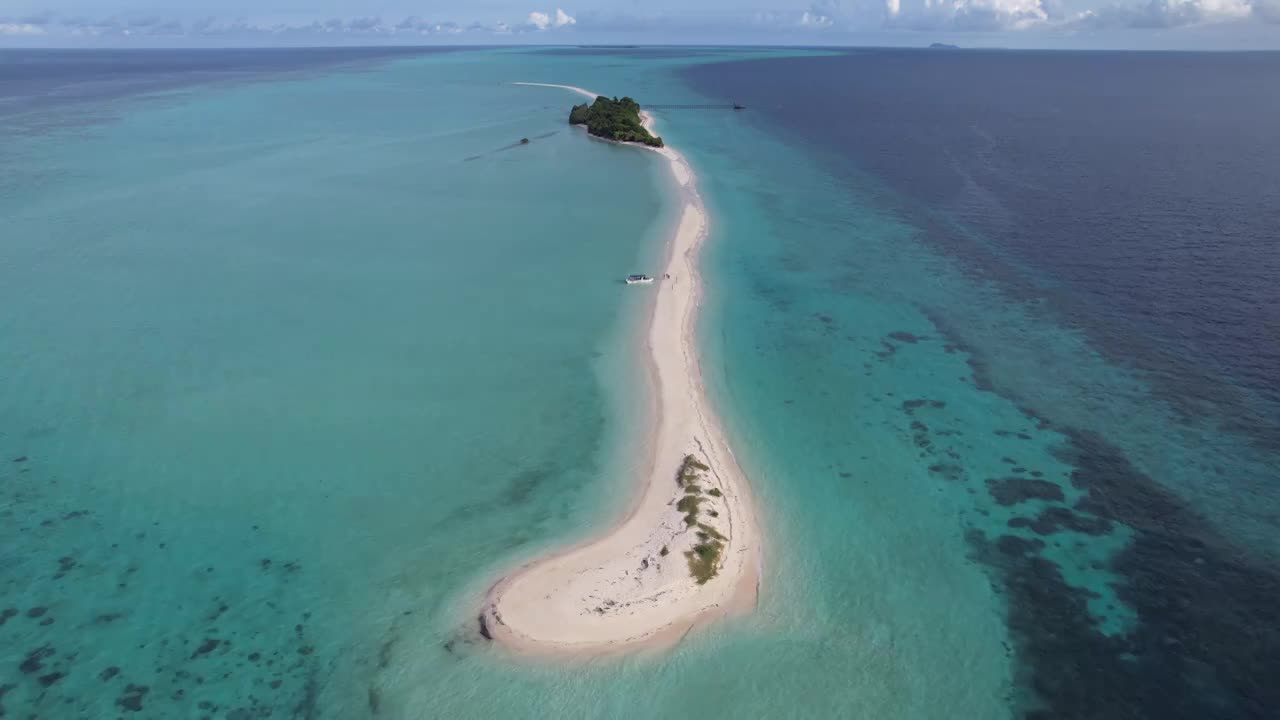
{"x":1171,"y":14}
{"x":539,"y":20}
{"x":821,"y":16}
{"x":1017,"y":15}
{"x":815,"y":20}
{"x":333,"y":30}
{"x":9,"y":28}
{"x":543,"y":21}
{"x":415,"y":25}
{"x":966,"y":15}
{"x":364,"y":24}
{"x":918,"y":15}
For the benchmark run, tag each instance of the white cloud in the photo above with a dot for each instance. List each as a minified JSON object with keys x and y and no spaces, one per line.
{"x":544,"y":21}
{"x":970,"y":15}
{"x":820,"y":15}
{"x":1015,"y":15}
{"x":1219,"y":10}
{"x":539,"y":20}
{"x":816,"y":20}
{"x":1173,"y":13}
{"x":7,"y":28}
{"x":563,"y":18}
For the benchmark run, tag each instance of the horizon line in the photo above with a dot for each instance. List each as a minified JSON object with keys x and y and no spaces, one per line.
{"x":631,"y":46}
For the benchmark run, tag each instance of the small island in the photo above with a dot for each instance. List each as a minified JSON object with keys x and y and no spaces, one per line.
{"x":688,"y":551}
{"x":614,"y":119}
{"x":943,"y":46}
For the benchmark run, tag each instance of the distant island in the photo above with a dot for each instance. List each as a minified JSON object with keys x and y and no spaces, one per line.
{"x":944,"y":46}
{"x":614,"y":120}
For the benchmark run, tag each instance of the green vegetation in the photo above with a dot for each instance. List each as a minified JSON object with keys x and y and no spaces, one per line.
{"x":689,"y":506}
{"x":704,"y":560}
{"x":688,"y":472}
{"x":614,"y":119}
{"x":710,"y":531}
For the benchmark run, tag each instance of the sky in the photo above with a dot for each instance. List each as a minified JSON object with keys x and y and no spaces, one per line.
{"x":1113,"y":24}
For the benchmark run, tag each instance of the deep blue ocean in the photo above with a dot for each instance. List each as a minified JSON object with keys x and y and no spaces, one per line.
{"x":299,"y":349}
{"x":1135,"y":191}
{"x":1132,"y":200}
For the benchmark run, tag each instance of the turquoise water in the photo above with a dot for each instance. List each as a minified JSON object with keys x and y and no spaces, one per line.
{"x":286,"y":365}
{"x":293,"y":369}
{"x":298,"y":366}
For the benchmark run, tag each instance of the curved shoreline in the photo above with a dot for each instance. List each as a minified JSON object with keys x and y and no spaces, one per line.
{"x":632,"y":587}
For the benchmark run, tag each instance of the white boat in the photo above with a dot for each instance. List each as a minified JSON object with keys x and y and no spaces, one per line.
{"x":638,"y":279}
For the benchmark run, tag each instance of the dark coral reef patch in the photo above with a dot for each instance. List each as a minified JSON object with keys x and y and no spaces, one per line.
{"x":1206,"y":642}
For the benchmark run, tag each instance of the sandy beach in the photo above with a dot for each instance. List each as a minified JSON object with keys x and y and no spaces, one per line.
{"x":633,"y":586}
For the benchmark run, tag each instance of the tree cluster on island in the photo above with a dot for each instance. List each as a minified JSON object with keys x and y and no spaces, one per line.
{"x":613,"y":119}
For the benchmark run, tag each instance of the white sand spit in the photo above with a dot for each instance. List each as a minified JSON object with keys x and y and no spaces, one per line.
{"x":632,"y":587}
